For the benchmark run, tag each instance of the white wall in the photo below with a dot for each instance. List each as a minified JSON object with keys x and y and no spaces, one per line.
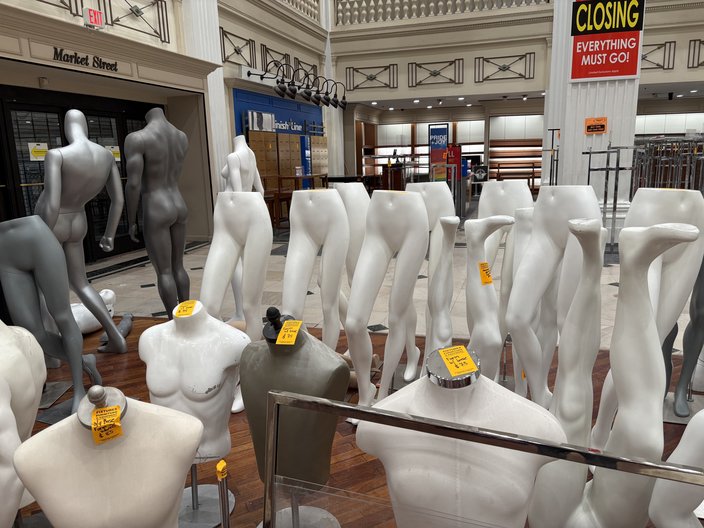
{"x":669,"y":123}
{"x":516,"y":127}
{"x":393,"y":134}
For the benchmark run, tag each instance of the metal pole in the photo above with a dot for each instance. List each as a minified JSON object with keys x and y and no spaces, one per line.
{"x":272,"y":429}
{"x":614,"y":200}
{"x":295,"y":512}
{"x":194,"y":486}
{"x":221,"y":471}
{"x":606,"y":187}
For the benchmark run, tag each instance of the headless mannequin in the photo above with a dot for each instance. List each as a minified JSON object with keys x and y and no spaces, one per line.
{"x":22,"y":376}
{"x":32,"y":265}
{"x":108,"y":487}
{"x":155,"y":158}
{"x":191,"y":366}
{"x":560,"y":484}
{"x":307,"y":367}
{"x":241,"y":175}
{"x":462,"y":481}
{"x":439,"y":334}
{"x":670,"y":281}
{"x":482,"y":302}
{"x":639,"y":380}
{"x":397,"y":222}
{"x":549,"y":250}
{"x":673,"y":503}
{"x":318,"y":219}
{"x":73,"y":176}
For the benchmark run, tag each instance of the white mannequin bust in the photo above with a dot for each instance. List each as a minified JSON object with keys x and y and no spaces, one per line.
{"x":240,"y":171}
{"x":192,"y":364}
{"x":133,"y":480}
{"x":22,"y":376}
{"x":460,"y":480}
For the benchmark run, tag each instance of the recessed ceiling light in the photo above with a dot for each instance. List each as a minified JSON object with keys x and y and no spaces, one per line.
{"x":542,"y":93}
{"x":680,"y":95}
{"x":391,"y":108}
{"x":429,"y":107}
{"x":469,"y":104}
{"x":373,"y":103}
{"x":693,"y":91}
{"x":416,"y":101}
{"x":460,"y":98}
{"x":525,"y":97}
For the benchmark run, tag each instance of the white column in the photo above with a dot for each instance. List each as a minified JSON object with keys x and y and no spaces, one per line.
{"x":333,"y":117}
{"x":201,"y":32}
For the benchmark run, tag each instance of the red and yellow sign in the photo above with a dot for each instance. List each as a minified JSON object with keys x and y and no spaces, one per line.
{"x":596,"y":125}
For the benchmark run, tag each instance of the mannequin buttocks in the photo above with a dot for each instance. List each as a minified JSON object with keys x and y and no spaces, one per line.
{"x":318,"y":219}
{"x":191,"y":367}
{"x":548,"y":252}
{"x":397,"y":223}
{"x":135,"y":480}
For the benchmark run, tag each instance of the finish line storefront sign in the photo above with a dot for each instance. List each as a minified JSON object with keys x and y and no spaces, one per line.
{"x":606,"y":39}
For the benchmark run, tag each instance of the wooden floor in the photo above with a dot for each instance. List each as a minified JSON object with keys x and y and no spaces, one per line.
{"x":351,"y":470}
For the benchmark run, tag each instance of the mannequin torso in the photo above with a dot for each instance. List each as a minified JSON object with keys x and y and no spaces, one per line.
{"x":240,"y":171}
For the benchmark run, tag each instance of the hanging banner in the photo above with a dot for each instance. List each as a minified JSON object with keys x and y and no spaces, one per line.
{"x":606,"y":39}
{"x":438,"y":136}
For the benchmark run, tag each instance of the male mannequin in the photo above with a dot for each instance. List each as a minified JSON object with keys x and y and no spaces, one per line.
{"x":461,"y":481}
{"x":22,"y":376}
{"x":307,"y":367}
{"x":133,"y":480}
{"x":549,"y":251}
{"x":670,"y":281}
{"x":480,"y":293}
{"x":616,"y":499}
{"x":318,"y":219}
{"x":191,"y":367}
{"x":560,"y":484}
{"x":31,"y":265}
{"x":155,"y":157}
{"x":73,"y":176}
{"x":397,"y":222}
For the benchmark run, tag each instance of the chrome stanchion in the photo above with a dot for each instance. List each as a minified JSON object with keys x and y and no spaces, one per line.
{"x":221,"y":470}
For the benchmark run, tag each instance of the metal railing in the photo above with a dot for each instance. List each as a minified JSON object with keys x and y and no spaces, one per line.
{"x":514,"y":442}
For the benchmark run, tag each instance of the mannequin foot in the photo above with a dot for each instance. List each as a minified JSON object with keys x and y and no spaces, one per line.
{"x":597,"y":439}
{"x":543,"y":399}
{"x":76,"y":402}
{"x":114,"y":346}
{"x":367,"y":391}
{"x":52,"y":362}
{"x":238,"y":403}
{"x":681,"y":405}
{"x":411,"y":371}
{"x":90,"y":368}
{"x":103,"y":338}
{"x":125,"y":325}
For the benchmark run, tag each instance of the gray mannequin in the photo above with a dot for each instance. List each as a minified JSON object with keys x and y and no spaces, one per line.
{"x":74,"y":175}
{"x":31,"y":265}
{"x":155,"y":157}
{"x":306,"y":367}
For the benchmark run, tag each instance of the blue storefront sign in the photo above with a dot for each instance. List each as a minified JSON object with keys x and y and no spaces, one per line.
{"x":290,"y":116}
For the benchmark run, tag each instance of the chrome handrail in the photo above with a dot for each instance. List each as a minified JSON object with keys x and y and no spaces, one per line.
{"x":515,"y":442}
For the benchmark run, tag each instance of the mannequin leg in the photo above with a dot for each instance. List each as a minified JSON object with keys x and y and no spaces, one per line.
{"x":369,"y":275}
{"x":532,"y":279}
{"x":300,"y":260}
{"x":237,"y":292}
{"x":255,"y":261}
{"x":218,"y":269}
{"x":491,"y":246}
{"x":412,"y":351}
{"x":570,"y":273}
{"x":692,"y":345}
{"x":157,"y":239}
{"x":331,"y":265}
{"x":506,"y":282}
{"x":608,"y":405}
{"x":667,"y":346}
{"x":75,"y":263}
{"x":546,"y":330}
{"x":178,"y":245}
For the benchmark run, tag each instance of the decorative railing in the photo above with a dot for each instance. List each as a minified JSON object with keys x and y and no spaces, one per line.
{"x":350,"y":12}
{"x":308,"y":8}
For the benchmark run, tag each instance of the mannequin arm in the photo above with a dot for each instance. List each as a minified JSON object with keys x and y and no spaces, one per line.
{"x":49,"y":204}
{"x":117,"y":202}
{"x":258,"y":186}
{"x":9,"y":441}
{"x":135,"y":166}
{"x":234,"y":176}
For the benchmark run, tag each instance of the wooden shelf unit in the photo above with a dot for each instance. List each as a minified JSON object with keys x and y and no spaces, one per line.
{"x":516,"y":159}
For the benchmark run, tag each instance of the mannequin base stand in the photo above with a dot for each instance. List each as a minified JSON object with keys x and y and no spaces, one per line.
{"x":37,"y":520}
{"x":696,"y":404}
{"x":397,"y":382}
{"x":200,"y":505}
{"x":56,"y":413}
{"x":303,"y":517}
{"x":52,"y":392}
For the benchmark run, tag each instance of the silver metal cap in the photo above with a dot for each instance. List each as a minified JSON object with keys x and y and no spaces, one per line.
{"x":466,"y":372}
{"x":99,"y":396}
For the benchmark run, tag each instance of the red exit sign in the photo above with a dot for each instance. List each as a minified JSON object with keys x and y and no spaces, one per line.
{"x":93,"y":18}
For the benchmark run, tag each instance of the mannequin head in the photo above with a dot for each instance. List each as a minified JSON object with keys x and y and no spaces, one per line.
{"x":75,"y":125}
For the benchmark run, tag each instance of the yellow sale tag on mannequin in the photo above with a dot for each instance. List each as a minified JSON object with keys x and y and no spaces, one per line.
{"x":485,"y":273}
{"x":105,"y":424}
{"x":221,"y":470}
{"x":523,"y":374}
{"x":185,"y":309}
{"x":457,"y":360}
{"x":289,"y":332}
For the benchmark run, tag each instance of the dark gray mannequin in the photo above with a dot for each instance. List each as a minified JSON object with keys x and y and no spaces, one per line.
{"x":155,"y":157}
{"x":74,"y":175}
{"x":306,"y":367}
{"x":32,"y":264}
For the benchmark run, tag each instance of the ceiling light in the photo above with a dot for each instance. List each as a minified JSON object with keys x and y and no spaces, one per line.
{"x":439,"y":101}
{"x":680,"y":95}
{"x":460,"y":98}
{"x":391,"y":108}
{"x":469,"y":104}
{"x":525,"y":97}
{"x":429,"y":107}
{"x":416,"y":101}
{"x":693,"y":91}
{"x":543,"y":94}
{"x":373,"y":103}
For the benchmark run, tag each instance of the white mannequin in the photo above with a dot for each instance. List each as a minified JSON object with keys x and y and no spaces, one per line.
{"x":616,"y":499}
{"x":673,"y":503}
{"x":439,"y":335}
{"x":397,"y":222}
{"x":548,"y":252}
{"x":87,"y":323}
{"x":318,"y":219}
{"x":192,"y":363}
{"x":133,"y":480}
{"x":482,"y":301}
{"x":22,"y":376}
{"x":462,"y":480}
{"x":560,"y":484}
{"x":439,"y":203}
{"x":670,"y":277}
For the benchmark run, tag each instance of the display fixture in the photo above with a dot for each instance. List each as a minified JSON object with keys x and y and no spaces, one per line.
{"x":73,"y":176}
{"x":155,"y":157}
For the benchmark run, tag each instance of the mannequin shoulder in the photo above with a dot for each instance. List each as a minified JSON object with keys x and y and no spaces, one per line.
{"x":166,"y":420}
{"x":134,"y":142}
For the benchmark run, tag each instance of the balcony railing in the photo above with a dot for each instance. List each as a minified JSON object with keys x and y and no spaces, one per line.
{"x":308,"y":8}
{"x":351,"y":12}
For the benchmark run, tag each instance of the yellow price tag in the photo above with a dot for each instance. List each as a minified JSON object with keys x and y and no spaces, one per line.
{"x":289,"y":332}
{"x":221,"y":470}
{"x":457,"y":360}
{"x":523,"y":374}
{"x":105,"y":424}
{"x":485,"y":273}
{"x":185,"y":309}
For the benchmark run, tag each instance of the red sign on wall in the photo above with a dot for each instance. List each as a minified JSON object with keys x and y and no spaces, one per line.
{"x":606,"y":37}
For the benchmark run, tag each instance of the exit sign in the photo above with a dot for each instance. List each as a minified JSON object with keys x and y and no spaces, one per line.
{"x":93,"y":18}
